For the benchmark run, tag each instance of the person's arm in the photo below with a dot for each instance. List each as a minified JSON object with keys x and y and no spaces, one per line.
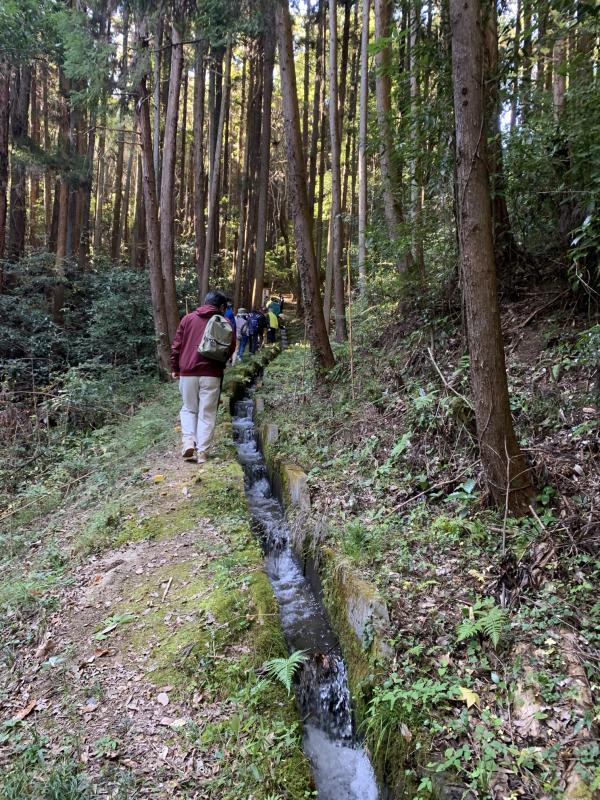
{"x":176,"y":350}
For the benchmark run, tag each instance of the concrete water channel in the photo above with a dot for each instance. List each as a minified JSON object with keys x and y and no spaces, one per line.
{"x":341,"y":767}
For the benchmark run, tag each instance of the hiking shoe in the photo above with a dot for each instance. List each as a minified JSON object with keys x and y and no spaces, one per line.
{"x":201,"y":458}
{"x":188,"y":451}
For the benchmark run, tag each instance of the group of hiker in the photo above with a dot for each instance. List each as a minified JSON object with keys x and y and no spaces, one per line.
{"x":251,"y":327}
{"x":207,"y":340}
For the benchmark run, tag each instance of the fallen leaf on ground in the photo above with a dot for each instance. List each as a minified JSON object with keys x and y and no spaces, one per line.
{"x":45,"y":648}
{"x":25,"y":712}
{"x":470,"y":697}
{"x":176,"y":724}
{"x":158,"y":478}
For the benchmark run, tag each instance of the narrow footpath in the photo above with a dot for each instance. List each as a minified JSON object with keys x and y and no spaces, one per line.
{"x":146,"y":680}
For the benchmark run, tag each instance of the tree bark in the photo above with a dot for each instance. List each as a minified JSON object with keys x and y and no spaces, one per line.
{"x":142,"y":110}
{"x":158,"y":55}
{"x":138,"y":248}
{"x":84,"y":239}
{"x":101,"y":180}
{"x":181,"y":187}
{"x":416,"y":191}
{"x":34,"y":184}
{"x":62,"y":202}
{"x":306,"y":82}
{"x":505,"y":248}
{"x":244,"y":183}
{"x":559,"y":79}
{"x":390,"y":177}
{"x":47,"y":172}
{"x":542,"y":25}
{"x":514,"y":100}
{"x":224,"y":178}
{"x":336,"y":180}
{"x":305,"y":253}
{"x":316,"y":114}
{"x":362,"y":147}
{"x":215,"y":97}
{"x":265,"y":149}
{"x":127,"y":200}
{"x":320,"y":199}
{"x":167,"y":186}
{"x":18,"y":190}
{"x":213,"y":199}
{"x":506,"y":472}
{"x":4,"y":128}
{"x":199,"y":173}
{"x":115,"y":242}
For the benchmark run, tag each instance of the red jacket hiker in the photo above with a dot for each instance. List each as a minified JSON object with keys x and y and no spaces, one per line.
{"x":185,"y":359}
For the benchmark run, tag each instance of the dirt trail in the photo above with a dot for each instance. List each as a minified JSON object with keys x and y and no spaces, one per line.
{"x":116,"y":679}
{"x":89,"y":676}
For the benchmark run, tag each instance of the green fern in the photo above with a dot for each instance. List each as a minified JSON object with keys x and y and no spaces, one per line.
{"x":283,"y":669}
{"x":492,"y":623}
{"x":485,"y":618}
{"x":467,"y":629}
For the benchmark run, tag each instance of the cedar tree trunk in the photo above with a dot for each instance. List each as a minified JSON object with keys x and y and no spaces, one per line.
{"x":506,"y":472}
{"x":305,"y":252}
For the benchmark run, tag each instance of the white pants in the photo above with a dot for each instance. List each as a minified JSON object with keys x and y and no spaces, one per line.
{"x":199,"y":410}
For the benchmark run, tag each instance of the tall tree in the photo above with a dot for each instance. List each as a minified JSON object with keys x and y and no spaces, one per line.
{"x":390,"y":177}
{"x":265,"y":150}
{"x":507,"y":475}
{"x":416,"y":189}
{"x":198,"y":156}
{"x":4,"y":130}
{"x":362,"y":145}
{"x":100,"y":179}
{"x":62,"y":199}
{"x":505,"y":247}
{"x":316,"y":113}
{"x":305,"y":252}
{"x":336,"y":179}
{"x":153,"y":250}
{"x":115,"y":245}
{"x":214,"y":175}
{"x":167,"y":185}
{"x":19,"y":127}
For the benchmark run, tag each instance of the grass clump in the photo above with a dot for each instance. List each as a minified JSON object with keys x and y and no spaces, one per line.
{"x":31,"y":776}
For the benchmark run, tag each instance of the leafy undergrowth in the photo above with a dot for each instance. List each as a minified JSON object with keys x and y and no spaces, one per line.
{"x":137,"y":669}
{"x":495,"y":622}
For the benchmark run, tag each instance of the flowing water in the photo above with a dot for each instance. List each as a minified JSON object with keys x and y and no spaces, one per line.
{"x":340,"y":764}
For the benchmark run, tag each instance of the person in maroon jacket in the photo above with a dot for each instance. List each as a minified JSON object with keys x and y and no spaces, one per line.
{"x":199,"y":378}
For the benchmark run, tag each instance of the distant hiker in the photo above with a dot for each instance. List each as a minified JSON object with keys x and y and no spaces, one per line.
{"x":273,"y":326}
{"x":275,"y":306}
{"x":253,"y":319}
{"x":283,"y":340}
{"x":204,"y":341}
{"x":241,"y":329}
{"x":229,"y":313}
{"x":263,"y":326}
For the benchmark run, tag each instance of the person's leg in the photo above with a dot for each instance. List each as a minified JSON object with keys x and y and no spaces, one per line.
{"x":243,"y":343}
{"x":188,"y":388}
{"x":210,"y":389}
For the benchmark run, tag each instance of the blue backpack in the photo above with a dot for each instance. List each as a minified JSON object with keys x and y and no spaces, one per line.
{"x":253,"y":324}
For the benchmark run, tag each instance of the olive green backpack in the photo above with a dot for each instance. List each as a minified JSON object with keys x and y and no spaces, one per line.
{"x":216,"y":339}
